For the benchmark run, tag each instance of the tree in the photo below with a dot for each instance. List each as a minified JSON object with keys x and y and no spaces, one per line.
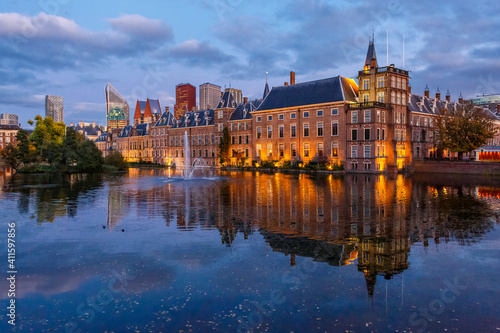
{"x":46,"y":132}
{"x":464,"y":129}
{"x":89,"y":157}
{"x":9,"y":154}
{"x":26,"y":150}
{"x":116,"y":159}
{"x":224,"y":146}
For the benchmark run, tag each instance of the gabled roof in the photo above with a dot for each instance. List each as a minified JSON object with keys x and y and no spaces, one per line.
{"x":329,"y":90}
{"x":166,"y":119}
{"x":266,"y":91}
{"x":244,"y":111}
{"x":155,"y":106}
{"x":89,"y":130}
{"x":126,"y":132}
{"x":142,"y":129}
{"x":102,"y":138}
{"x":195,"y":118}
{"x":227,"y":101}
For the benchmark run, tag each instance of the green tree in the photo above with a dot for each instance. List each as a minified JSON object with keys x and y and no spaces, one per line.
{"x":10,"y":156}
{"x":116,"y":159}
{"x":89,"y":157}
{"x":464,"y":129}
{"x":46,"y":132}
{"x":26,"y":150}
{"x":224,"y":146}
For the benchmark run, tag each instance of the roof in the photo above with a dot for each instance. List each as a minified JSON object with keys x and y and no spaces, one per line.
{"x":244,"y":111}
{"x":155,"y":106}
{"x":126,"y":132}
{"x":102,"y":138}
{"x":166,"y":119}
{"x":266,"y":91}
{"x":10,"y":127}
{"x":89,"y":129}
{"x":142,"y":129}
{"x":329,"y":90}
{"x":195,"y":118}
{"x":227,"y":101}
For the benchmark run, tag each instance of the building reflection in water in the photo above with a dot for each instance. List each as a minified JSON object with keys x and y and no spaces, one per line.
{"x":332,"y":219}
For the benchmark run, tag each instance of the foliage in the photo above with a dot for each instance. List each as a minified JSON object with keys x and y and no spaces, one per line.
{"x":224,"y":145}
{"x":116,"y":159}
{"x":26,"y":149}
{"x":89,"y":157}
{"x":9,"y":155}
{"x":465,"y":129}
{"x":46,"y":132}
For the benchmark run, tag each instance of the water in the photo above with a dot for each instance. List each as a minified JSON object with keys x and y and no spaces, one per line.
{"x":253,"y":251}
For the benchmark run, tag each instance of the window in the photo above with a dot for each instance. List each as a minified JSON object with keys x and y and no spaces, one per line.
{"x":383,"y":150}
{"x":232,"y":140}
{"x":398,"y":98}
{"x":320,"y":149}
{"x":378,"y":151}
{"x":366,"y":84}
{"x":393,"y":97}
{"x":367,"y":166}
{"x":293,"y":150}
{"x":240,"y":141}
{"x":367,"y":134}
{"x":206,"y":139}
{"x":269,"y":118}
{"x":281,"y":150}
{"x":247,"y":124}
{"x":354,"y":117}
{"x":306,"y":129}
{"x":259,"y":132}
{"x":380,"y":97}
{"x":367,"y":151}
{"x":199,"y":140}
{"x":383,"y":116}
{"x":259,"y":149}
{"x":403,"y":98}
{"x":335,"y":149}
{"x":425,"y":121}
{"x":378,"y":133}
{"x":335,"y":112}
{"x":247,"y":139}
{"x":319,"y":113}
{"x":221,"y":114}
{"x":247,"y":152}
{"x":393,"y":82}
{"x":403,"y":84}
{"x":269,"y":132}
{"x":282,"y":131}
{"x":293,"y":115}
{"x":259,"y":118}
{"x":269,"y":150}
{"x":418,"y":121}
{"x":281,"y":117}
{"x":383,"y":134}
{"x":335,"y":128}
{"x":306,"y":149}
{"x":368,"y":116}
{"x":354,"y":151}
{"x":213,"y":139}
{"x":320,"y":128}
{"x":306,"y":114}
{"x":221,"y":127}
{"x":399,"y":83}
{"x":366,"y":98}
{"x":293,"y":131}
{"x":232,"y":126}
{"x":354,"y":134}
{"x":380,"y":82}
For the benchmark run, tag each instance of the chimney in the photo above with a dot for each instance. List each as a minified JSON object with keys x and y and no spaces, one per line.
{"x":448,"y":96}
{"x":193,"y":108}
{"x":286,"y":83}
{"x":438,"y":94}
{"x":409,"y":89}
{"x":245,"y":100}
{"x":373,"y":63}
{"x":426,"y":91}
{"x":167,"y":109}
{"x":460,"y":99}
{"x":93,"y":124}
{"x":292,"y":78}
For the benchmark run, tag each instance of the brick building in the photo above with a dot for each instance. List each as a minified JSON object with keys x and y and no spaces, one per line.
{"x":185,"y":99}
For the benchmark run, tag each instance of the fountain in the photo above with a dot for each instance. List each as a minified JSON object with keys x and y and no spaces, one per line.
{"x":189,"y":168}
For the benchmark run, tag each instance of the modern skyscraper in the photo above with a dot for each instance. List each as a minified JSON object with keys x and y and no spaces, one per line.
{"x":237,"y":94}
{"x":9,"y":119}
{"x":115,"y":100}
{"x":209,"y":96}
{"x":54,"y":108}
{"x":185,"y":99}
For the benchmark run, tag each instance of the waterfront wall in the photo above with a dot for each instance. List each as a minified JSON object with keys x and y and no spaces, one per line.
{"x":457,"y":167}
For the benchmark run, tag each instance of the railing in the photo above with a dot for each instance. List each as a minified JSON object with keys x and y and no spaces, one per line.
{"x":362,"y":105}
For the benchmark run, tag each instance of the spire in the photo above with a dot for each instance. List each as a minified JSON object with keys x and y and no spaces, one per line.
{"x":266,"y":88}
{"x":371,"y":53}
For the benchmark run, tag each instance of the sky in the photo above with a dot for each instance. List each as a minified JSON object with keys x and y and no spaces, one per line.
{"x":72,"y":48}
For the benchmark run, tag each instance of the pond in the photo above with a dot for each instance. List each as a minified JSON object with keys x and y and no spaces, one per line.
{"x":145,"y":251}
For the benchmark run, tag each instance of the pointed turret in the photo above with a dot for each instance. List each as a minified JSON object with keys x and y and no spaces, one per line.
{"x":266,"y":89}
{"x":371,"y":54}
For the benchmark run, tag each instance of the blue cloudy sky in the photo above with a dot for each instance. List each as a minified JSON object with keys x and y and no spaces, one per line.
{"x":144,"y":48}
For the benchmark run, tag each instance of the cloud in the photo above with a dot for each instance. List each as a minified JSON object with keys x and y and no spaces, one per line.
{"x":194,"y":52}
{"x":141,"y":27}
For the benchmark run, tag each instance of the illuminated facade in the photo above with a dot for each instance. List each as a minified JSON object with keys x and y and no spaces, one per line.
{"x":116,"y":118}
{"x":115,"y":99}
{"x":54,"y":108}
{"x":148,"y":111}
{"x":185,"y":99}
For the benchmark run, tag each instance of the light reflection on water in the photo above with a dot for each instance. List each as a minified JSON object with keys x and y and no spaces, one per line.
{"x":203,"y":254}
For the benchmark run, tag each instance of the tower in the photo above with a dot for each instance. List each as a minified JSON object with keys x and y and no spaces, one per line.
{"x":209,"y":95}
{"x":113,"y":100}
{"x":54,"y":108}
{"x":185,"y":99}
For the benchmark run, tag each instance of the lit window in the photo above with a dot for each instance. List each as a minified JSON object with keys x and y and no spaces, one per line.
{"x":366,"y":84}
{"x":354,"y":151}
{"x":269,"y":150}
{"x":281,"y":150}
{"x":380,"y":97}
{"x":380,"y":82}
{"x":258,"y":148}
{"x":335,"y":149}
{"x":306,"y":149}
{"x":259,"y":132}
{"x":366,"y":98}
{"x":320,"y":149}
{"x":293,"y":149}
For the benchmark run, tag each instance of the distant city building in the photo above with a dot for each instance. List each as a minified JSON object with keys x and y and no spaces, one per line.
{"x":491,"y":102}
{"x":210,"y":95}
{"x":115,"y":99}
{"x":9,"y":119}
{"x":185,"y":99}
{"x":237,"y":94}
{"x":8,"y":135}
{"x":116,"y":118}
{"x":54,"y":108}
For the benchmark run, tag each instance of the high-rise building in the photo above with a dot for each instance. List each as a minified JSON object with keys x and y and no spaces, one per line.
{"x":237,"y":94}
{"x":54,"y":108}
{"x":185,"y":99}
{"x":115,"y":100}
{"x":209,"y":95}
{"x":9,"y":119}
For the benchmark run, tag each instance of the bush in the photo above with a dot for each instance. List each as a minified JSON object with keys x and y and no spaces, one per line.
{"x":116,"y":160}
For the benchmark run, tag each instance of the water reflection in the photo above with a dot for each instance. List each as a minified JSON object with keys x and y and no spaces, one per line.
{"x":332,"y":219}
